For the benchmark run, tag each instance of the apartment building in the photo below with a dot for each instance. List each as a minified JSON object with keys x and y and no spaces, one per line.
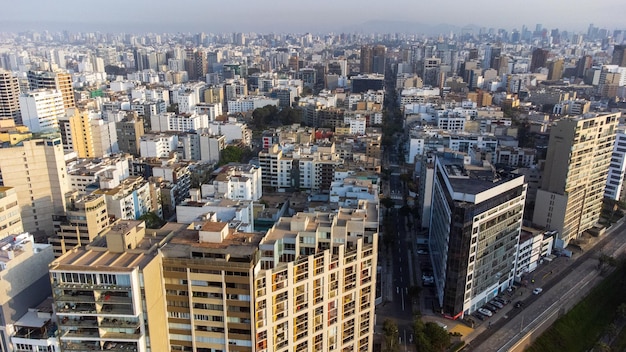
{"x":9,"y":96}
{"x":615,"y":179}
{"x":86,"y":218}
{"x":56,"y":80}
{"x":109,"y":295}
{"x":575,"y":175}
{"x":130,"y":199}
{"x":41,"y":110}
{"x":10,"y":218}
{"x":307,"y":285}
{"x":36,"y":169}
{"x":235,"y":181}
{"x":475,"y":224}
{"x":23,"y":280}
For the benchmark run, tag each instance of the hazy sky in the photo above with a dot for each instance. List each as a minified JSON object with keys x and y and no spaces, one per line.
{"x":301,"y":16}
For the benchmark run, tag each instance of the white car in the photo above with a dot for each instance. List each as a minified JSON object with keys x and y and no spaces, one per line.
{"x":537,"y":291}
{"x":485,"y":311}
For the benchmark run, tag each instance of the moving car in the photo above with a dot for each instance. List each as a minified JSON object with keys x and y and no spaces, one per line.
{"x":537,"y":291}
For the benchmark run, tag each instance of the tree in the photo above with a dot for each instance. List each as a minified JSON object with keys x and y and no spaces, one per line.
{"x":391,"y":334}
{"x":438,"y":336}
{"x":153,"y":221}
{"x":601,"y":347}
{"x":621,"y":311}
{"x":232,"y":154}
{"x":387,"y":202}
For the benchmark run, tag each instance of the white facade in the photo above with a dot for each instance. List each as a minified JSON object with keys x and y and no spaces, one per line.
{"x":237,"y":213}
{"x":211,"y":110}
{"x":533,"y":247}
{"x":237,"y":182}
{"x":249,"y":103}
{"x":615,"y":178}
{"x":42,"y":109}
{"x":169,"y":121}
{"x":231,"y":131}
{"x":157,"y":145}
{"x":357,"y":125}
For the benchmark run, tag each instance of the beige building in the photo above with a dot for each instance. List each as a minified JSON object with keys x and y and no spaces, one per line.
{"x":308,"y":285}
{"x":9,"y":96}
{"x":577,"y":163}
{"x":23,"y":280}
{"x":109,"y":296}
{"x":57,"y":80}
{"x":85,"y":218}
{"x":10,"y":219}
{"x":36,"y":169}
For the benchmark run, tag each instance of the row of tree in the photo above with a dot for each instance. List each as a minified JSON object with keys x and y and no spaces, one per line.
{"x":271,"y":115}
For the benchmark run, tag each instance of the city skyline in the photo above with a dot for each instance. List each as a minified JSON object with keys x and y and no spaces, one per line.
{"x":286,"y":16}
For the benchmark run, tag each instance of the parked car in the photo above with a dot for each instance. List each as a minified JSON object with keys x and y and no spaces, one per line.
{"x":537,"y":291}
{"x":501,"y":300}
{"x":497,"y":304}
{"x":485,"y":312}
{"x":479,"y":316}
{"x":491,"y":307}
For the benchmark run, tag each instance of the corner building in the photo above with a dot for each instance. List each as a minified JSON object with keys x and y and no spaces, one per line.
{"x":475,"y":228}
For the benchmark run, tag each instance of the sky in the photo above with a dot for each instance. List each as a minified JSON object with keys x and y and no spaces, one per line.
{"x":318,"y":16}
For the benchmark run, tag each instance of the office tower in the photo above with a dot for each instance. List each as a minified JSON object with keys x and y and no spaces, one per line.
{"x":476,"y":219}
{"x":9,"y":97}
{"x":366,"y":59}
{"x":41,"y":110}
{"x":373,"y":59}
{"x":36,"y":169}
{"x":11,"y":220}
{"x":85,"y":218}
{"x":572,"y":185}
{"x":619,"y":55}
{"x":555,"y":70}
{"x":23,"y":280}
{"x":60,"y":81}
{"x":201,"y":65}
{"x":378,"y":59}
{"x":129,"y":132}
{"x":539,"y":58}
{"x":583,"y":64}
{"x":486,"y":63}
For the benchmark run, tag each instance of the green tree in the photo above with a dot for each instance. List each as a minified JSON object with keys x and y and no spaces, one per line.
{"x":438,"y":336}
{"x":621,"y":311}
{"x":153,"y":221}
{"x":231,"y":154}
{"x":391,"y":334}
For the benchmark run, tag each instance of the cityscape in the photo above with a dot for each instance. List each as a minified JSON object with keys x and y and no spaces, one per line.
{"x":311,"y":183}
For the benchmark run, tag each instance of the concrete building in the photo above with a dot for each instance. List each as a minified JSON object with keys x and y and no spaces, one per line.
{"x":36,"y":169}
{"x":9,"y":97}
{"x":109,"y":296}
{"x":41,"y":110}
{"x":23,"y":280}
{"x":248,"y":103}
{"x":169,"y":121}
{"x":575,"y":175}
{"x":130,"y":200}
{"x":615,"y":179}
{"x":232,"y":131}
{"x":36,"y":330}
{"x":534,"y":247}
{"x":91,"y":136}
{"x":235,"y":181}
{"x":11,"y":220}
{"x":86,"y":218}
{"x":157,"y":145}
{"x":475,"y":224}
{"x":237,"y":213}
{"x":129,"y":132}
{"x":207,"y":286}
{"x":57,"y":80}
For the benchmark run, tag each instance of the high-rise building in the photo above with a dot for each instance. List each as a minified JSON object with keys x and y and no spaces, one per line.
{"x":36,"y":169}
{"x":373,"y":59}
{"x":555,"y":70}
{"x":538,"y":59}
{"x":23,"y":280}
{"x":41,"y":110}
{"x":583,"y":64}
{"x":11,"y":222}
{"x":307,"y":285}
{"x":577,"y":163}
{"x":9,"y":97}
{"x":617,"y":167}
{"x":91,"y":136}
{"x":58,"y":80}
{"x":619,"y":55}
{"x":475,"y":224}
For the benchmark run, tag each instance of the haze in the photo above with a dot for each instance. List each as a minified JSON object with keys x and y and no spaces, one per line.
{"x":300,"y":16}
